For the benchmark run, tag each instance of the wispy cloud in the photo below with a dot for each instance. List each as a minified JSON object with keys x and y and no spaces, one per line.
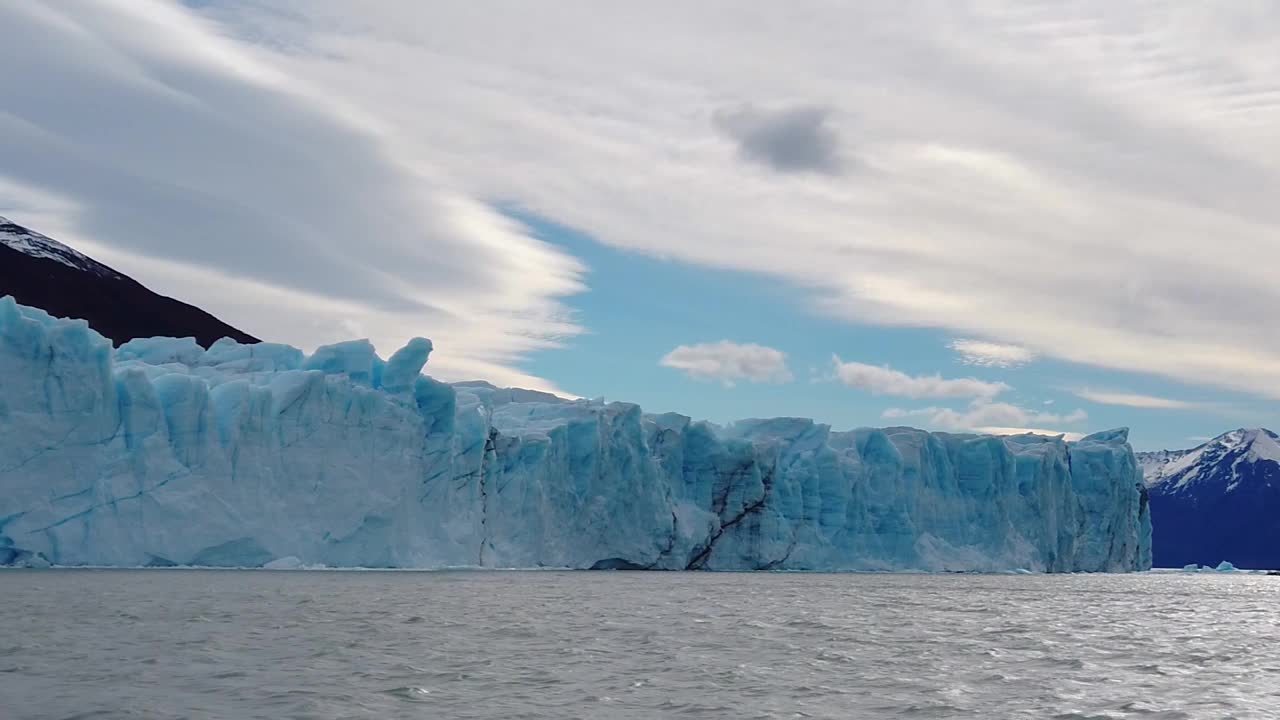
{"x":989,"y":417}
{"x":1069,"y":217}
{"x":1133,"y":400}
{"x":988,"y":354}
{"x":884,"y":380}
{"x":1068,"y":435}
{"x":729,"y":362}
{"x":222,"y":168}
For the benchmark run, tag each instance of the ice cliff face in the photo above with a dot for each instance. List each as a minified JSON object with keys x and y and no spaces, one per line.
{"x":163,"y":453}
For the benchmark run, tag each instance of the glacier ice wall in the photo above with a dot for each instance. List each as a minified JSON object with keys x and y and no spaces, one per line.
{"x":163,"y":453}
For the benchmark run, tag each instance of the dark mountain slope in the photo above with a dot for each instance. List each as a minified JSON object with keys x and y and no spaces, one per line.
{"x":42,"y":272}
{"x":1220,"y":501}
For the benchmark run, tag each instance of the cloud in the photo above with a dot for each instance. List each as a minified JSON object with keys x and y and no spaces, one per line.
{"x":1133,"y":400}
{"x":988,"y":354}
{"x":795,"y":139}
{"x":1069,"y":436}
{"x":729,"y":362}
{"x":207,"y":171}
{"x":989,"y":417}
{"x":887,"y":381}
{"x":1069,"y":218}
{"x":1121,"y":216}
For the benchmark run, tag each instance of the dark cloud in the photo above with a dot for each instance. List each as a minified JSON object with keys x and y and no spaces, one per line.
{"x":789,"y":140}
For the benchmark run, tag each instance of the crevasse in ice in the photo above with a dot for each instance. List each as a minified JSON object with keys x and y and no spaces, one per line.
{"x":160,"y":453}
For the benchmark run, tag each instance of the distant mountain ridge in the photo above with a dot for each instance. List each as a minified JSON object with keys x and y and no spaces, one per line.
{"x":1155,"y":464}
{"x":42,"y":272}
{"x":1219,"y":501}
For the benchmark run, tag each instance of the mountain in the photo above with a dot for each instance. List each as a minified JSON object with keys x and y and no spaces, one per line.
{"x":1219,"y":501}
{"x":1154,"y":465}
{"x":42,"y":272}
{"x":160,"y":453}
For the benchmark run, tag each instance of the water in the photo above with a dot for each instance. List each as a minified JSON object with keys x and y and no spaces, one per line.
{"x":256,"y":644}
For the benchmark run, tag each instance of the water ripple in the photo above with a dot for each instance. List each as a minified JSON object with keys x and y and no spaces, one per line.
{"x":176,"y":643}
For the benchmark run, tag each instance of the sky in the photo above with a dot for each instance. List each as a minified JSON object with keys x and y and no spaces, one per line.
{"x":964,"y":216}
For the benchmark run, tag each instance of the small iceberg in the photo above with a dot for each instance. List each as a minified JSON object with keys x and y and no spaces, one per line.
{"x":1223,"y":567}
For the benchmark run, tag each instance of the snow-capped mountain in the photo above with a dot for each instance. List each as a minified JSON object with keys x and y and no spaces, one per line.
{"x":1219,"y":501}
{"x":33,"y":244}
{"x":42,"y":272}
{"x":1155,"y":464}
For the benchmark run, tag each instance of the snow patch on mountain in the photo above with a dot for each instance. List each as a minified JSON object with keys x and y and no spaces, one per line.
{"x":1214,"y":462}
{"x":1217,"y":502}
{"x":1264,"y":446}
{"x":1155,"y":464}
{"x":29,"y":242}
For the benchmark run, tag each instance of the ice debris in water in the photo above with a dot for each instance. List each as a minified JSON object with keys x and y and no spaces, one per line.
{"x":1223,"y":567}
{"x":162,"y":453}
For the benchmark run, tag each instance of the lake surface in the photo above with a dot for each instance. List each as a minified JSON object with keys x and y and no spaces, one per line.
{"x":258,"y":644}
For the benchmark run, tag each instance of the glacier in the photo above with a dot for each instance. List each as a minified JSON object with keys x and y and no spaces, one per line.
{"x":163,"y":453}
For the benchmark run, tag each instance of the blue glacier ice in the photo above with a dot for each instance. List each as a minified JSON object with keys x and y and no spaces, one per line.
{"x":162,"y":453}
